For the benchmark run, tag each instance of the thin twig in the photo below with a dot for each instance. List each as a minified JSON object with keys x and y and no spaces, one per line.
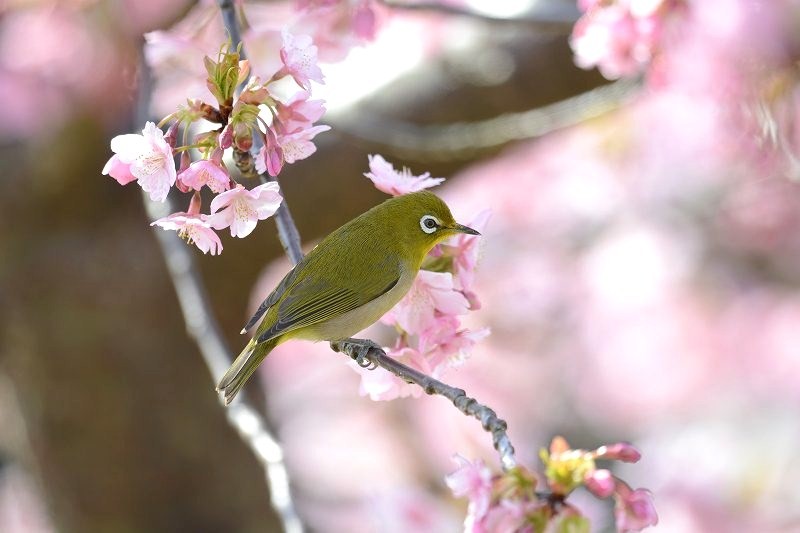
{"x":469,"y":406}
{"x":290,"y":239}
{"x":461,"y":140}
{"x":203,"y":328}
{"x":558,"y":26}
{"x":287,"y":230}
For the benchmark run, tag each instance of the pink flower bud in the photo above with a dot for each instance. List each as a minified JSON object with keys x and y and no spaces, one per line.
{"x":226,"y":138}
{"x":172,"y":134}
{"x":621,"y":451}
{"x":270,"y":157}
{"x":195,"y":204}
{"x":600,"y":483}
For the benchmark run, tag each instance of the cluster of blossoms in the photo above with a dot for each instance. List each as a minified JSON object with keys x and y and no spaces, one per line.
{"x":510,"y":502}
{"x":335,"y":27}
{"x":262,"y":113}
{"x":430,"y":336}
{"x":620,"y":37}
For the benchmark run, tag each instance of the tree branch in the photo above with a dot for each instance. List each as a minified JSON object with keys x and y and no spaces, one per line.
{"x":462,"y":140}
{"x":469,"y":406}
{"x":290,"y":239}
{"x":557,"y":26}
{"x":203,"y":328}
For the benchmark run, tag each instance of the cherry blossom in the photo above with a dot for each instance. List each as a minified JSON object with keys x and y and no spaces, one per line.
{"x":472,"y":480}
{"x":633,"y":509}
{"x":194,"y":229}
{"x":206,"y":172}
{"x":431,"y":293}
{"x":146,"y":158}
{"x":465,"y":251}
{"x":298,"y":145}
{"x":299,"y":57}
{"x":299,"y":113}
{"x":241,"y":209}
{"x":620,"y":38}
{"x":394,"y":182}
{"x":445,"y":344}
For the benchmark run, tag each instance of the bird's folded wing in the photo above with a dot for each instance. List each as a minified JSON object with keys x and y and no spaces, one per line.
{"x":273,"y":297}
{"x":311,"y":303}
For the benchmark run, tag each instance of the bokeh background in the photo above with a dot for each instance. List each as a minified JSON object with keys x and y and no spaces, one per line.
{"x":640,"y":272}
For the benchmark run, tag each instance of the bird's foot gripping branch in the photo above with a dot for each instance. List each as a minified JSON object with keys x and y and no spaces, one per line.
{"x":419,"y":258}
{"x":358,"y":350}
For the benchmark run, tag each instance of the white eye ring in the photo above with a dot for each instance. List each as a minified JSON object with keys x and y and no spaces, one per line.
{"x":429,"y":223}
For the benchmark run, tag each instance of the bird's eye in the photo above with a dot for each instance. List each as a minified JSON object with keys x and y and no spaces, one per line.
{"x":429,"y":223}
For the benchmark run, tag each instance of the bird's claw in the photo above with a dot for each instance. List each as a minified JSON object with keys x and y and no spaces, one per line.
{"x":360,"y":352}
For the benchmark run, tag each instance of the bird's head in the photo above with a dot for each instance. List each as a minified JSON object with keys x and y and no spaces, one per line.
{"x":425,"y":220}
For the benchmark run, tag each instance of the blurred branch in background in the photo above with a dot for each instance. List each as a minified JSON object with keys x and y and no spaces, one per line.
{"x":203,"y":328}
{"x":463,"y":140}
{"x":541,"y":24}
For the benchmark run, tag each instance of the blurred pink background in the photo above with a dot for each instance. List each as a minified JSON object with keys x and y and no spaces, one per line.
{"x":640,"y":272}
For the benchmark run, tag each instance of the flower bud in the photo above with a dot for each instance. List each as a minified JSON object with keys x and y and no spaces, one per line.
{"x":171,"y":136}
{"x":600,"y":483}
{"x":621,"y":451}
{"x":226,"y":137}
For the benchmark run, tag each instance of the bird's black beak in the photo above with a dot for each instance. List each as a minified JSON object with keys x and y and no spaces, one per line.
{"x":464,"y":229}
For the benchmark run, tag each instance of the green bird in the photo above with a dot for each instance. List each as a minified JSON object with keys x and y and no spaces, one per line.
{"x":348,"y":281}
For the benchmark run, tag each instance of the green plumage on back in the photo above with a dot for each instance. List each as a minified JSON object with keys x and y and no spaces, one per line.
{"x":354,"y":276}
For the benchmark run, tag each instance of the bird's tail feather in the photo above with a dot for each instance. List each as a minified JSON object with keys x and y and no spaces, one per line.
{"x":243,"y":367}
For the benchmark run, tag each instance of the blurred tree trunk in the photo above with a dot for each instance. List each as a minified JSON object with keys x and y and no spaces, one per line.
{"x":124,"y":426}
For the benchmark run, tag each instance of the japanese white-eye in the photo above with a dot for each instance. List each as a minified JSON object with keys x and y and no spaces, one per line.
{"x":348,"y":281}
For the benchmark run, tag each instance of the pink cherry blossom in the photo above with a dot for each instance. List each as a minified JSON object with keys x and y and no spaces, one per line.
{"x":270,"y":156}
{"x":118,"y":170}
{"x":445,"y":345}
{"x":465,"y":250}
{"x":298,"y":145}
{"x":195,"y":229}
{"x":472,"y":480}
{"x":299,"y":113}
{"x":206,"y":172}
{"x":600,"y":482}
{"x":299,"y":57}
{"x":431,"y":295}
{"x":241,"y":209}
{"x":606,"y":38}
{"x":634,"y":509}
{"x":147,"y":158}
{"x":394,"y":182}
{"x":620,"y":38}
